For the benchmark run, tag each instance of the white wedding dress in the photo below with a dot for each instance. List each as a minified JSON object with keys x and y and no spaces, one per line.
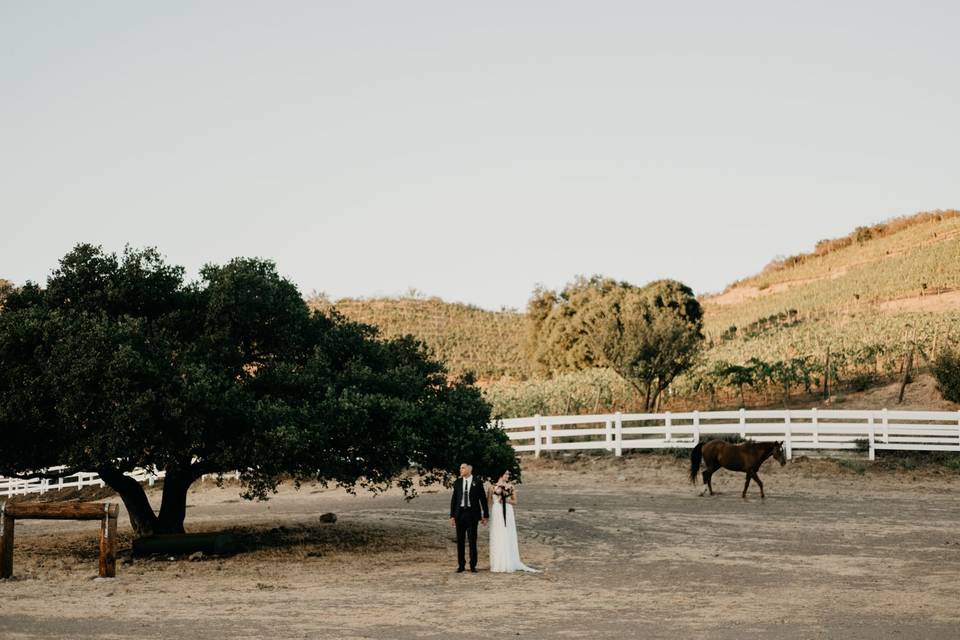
{"x":504,"y":547}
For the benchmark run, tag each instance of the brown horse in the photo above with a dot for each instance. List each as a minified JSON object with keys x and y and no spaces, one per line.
{"x":746,"y":457}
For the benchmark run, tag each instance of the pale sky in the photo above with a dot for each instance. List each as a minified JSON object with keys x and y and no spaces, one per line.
{"x":470,"y":150}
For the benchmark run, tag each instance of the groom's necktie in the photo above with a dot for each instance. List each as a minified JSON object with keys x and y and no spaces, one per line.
{"x":466,"y":494}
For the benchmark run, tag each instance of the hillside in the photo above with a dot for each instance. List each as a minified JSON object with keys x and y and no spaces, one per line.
{"x":467,"y":338}
{"x":863,"y":296}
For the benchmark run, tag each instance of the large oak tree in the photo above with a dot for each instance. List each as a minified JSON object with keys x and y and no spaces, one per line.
{"x":119,"y":363}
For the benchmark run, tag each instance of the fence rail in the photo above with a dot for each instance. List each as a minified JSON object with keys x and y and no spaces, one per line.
{"x":79,"y":480}
{"x":798,"y":429}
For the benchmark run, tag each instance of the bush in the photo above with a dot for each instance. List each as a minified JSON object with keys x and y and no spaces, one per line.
{"x":946,"y":369}
{"x":853,"y":465}
{"x":863,"y":381}
{"x":911,"y":460}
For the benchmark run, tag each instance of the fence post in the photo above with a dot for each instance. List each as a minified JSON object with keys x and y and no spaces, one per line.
{"x":618,"y":442}
{"x":108,"y":542}
{"x":816,"y":429}
{"x":549,"y":436}
{"x":608,"y":434}
{"x":6,"y":542}
{"x":872,"y":438}
{"x":696,"y":427}
{"x":536,"y":436}
{"x":886,"y":426}
{"x":668,"y":423}
{"x":788,"y":436}
{"x":743,"y":421}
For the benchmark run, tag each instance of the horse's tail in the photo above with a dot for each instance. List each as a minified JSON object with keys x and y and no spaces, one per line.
{"x":695,"y":457}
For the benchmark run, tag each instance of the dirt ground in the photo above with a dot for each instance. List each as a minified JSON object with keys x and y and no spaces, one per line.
{"x":627,"y":548}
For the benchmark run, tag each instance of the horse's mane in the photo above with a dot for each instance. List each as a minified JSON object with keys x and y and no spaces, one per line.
{"x":757,"y":446}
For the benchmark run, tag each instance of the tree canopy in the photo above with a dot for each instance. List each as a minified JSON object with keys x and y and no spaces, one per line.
{"x":119,"y":363}
{"x":649,"y":335}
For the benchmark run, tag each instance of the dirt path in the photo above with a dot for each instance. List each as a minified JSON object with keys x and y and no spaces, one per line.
{"x":827,"y":555}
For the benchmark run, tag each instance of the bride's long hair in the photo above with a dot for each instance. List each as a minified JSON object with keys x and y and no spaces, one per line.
{"x":505,"y":479}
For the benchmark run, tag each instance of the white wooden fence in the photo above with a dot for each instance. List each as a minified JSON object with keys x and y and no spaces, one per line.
{"x":19,"y":486}
{"x":798,"y":429}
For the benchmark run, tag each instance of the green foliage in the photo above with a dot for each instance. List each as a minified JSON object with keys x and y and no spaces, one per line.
{"x":118,"y":363}
{"x":557,"y":335}
{"x":647,"y":335}
{"x":946,"y":370}
{"x":5,"y":287}
{"x":862,"y":381}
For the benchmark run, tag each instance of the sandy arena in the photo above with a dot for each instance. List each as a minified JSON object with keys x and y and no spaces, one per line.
{"x":627,"y":547}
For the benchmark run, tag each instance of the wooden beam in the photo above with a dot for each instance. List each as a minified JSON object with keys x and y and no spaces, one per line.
{"x":57,"y":511}
{"x":108,"y":543}
{"x":6,"y":544}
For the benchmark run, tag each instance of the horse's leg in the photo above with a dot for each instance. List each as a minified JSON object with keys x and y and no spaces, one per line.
{"x":745,"y":485}
{"x":708,"y":477}
{"x":706,"y":481}
{"x":760,"y":484}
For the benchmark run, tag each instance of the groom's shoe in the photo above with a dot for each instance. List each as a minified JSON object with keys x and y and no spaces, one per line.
{"x":473,"y":569}
{"x":459,"y":569}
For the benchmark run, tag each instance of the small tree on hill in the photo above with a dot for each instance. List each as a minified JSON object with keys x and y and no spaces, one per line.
{"x":118,"y":363}
{"x":648,"y":335}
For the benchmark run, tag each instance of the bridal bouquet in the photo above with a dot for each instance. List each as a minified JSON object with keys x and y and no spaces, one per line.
{"x":505,"y":491}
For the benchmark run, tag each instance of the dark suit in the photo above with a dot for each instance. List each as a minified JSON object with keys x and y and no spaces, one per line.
{"x":467,"y":518}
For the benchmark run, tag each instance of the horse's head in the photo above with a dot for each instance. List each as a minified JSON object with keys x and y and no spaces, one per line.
{"x":779,"y":454}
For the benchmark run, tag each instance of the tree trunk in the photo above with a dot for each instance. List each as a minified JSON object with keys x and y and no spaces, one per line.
{"x":908,"y":368}
{"x":142,"y":518}
{"x":173,"y":504}
{"x":826,"y":377}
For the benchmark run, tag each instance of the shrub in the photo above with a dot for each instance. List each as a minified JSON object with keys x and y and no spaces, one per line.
{"x":946,"y":369}
{"x":853,"y":465}
{"x":862,"y":381}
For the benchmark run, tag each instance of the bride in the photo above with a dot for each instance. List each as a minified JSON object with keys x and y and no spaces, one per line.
{"x":504,"y":548}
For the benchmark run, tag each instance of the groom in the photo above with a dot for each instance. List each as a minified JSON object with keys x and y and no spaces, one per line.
{"x":468,"y":506}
